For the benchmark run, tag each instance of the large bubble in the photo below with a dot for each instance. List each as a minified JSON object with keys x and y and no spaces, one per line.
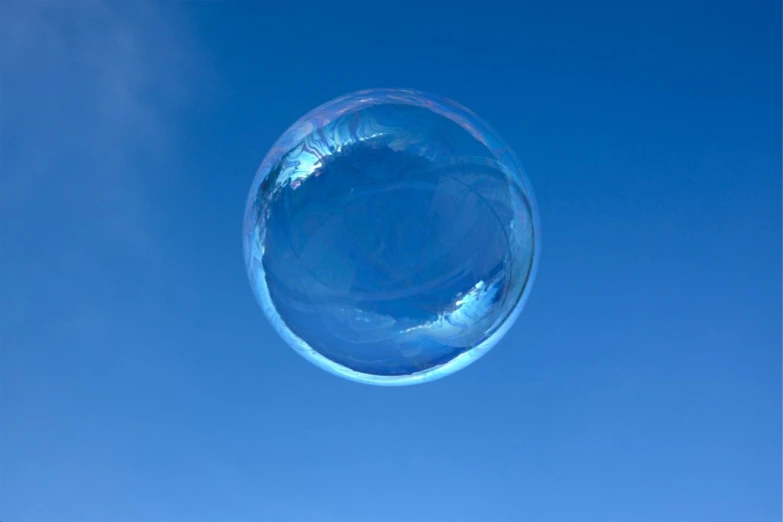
{"x":391,"y":237}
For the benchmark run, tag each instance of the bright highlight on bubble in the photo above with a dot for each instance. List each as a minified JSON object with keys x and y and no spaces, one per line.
{"x":391,"y":237}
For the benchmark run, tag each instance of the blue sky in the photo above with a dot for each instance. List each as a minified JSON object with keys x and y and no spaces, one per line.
{"x":139,"y":381}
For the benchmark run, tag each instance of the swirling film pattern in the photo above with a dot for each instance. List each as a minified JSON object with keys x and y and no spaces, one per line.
{"x":391,"y":237}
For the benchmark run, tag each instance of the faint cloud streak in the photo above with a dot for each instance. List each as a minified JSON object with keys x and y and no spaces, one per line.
{"x":89,"y":88}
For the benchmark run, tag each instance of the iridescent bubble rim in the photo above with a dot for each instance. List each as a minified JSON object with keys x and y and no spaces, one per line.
{"x":254,"y":219}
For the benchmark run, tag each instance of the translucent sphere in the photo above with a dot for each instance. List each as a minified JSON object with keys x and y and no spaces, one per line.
{"x":391,"y":237}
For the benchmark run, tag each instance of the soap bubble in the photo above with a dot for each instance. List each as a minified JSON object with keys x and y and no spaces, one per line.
{"x":391,"y":237}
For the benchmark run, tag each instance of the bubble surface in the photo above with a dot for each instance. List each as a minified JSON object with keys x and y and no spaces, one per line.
{"x":391,"y":237}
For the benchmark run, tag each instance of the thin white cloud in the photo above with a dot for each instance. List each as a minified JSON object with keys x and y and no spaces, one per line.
{"x":87,"y":92}
{"x":86,"y":84}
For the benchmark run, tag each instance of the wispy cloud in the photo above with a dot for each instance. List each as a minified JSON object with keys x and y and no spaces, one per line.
{"x":88,"y":91}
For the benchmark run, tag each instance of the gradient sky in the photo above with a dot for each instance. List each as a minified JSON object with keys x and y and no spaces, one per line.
{"x":140,"y":382}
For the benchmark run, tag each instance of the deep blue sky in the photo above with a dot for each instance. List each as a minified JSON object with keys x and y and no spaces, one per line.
{"x":140,"y":382}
